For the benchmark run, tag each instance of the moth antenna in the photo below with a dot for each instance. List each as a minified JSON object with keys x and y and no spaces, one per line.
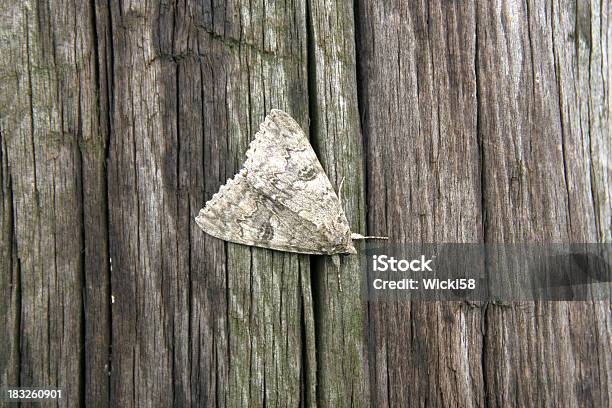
{"x":356,"y":236}
{"x":336,"y":261}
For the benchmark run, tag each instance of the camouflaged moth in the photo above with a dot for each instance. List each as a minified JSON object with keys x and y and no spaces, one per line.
{"x":281,"y":198}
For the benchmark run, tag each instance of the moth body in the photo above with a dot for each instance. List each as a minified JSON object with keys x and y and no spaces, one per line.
{"x":281,"y":199}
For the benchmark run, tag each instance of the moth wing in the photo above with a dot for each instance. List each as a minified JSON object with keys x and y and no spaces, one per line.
{"x":282,"y":165}
{"x":238,"y":213}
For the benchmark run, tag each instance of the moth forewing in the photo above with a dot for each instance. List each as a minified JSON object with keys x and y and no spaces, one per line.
{"x":281,"y":199}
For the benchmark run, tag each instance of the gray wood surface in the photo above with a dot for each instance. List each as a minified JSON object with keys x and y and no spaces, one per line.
{"x":470,"y":121}
{"x":340,"y":312}
{"x":419,"y":104}
{"x":500,"y":111}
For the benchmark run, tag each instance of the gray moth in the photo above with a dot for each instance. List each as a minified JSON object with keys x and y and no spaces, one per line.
{"x":281,"y":198}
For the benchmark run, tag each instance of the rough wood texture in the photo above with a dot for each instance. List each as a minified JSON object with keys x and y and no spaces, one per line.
{"x":52,"y":172}
{"x":499,"y":110}
{"x":195,"y":320}
{"x":419,"y":109}
{"x":545,"y":144}
{"x":9,"y":279}
{"x":340,"y":315}
{"x":472,"y":121}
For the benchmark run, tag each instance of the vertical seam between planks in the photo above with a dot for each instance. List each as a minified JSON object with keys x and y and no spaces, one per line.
{"x":561,"y":124}
{"x":483,"y":211}
{"x":109,"y":133}
{"x":315,"y":264}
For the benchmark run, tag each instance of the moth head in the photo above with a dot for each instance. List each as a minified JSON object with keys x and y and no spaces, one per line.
{"x":350,"y":248}
{"x":343,"y":244}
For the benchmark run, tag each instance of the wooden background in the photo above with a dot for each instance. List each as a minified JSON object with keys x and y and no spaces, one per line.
{"x":452,"y":121}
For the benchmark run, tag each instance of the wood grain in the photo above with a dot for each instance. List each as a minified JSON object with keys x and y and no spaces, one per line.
{"x":197,"y":321}
{"x":472,"y":121}
{"x":52,"y":162}
{"x":340,"y":311}
{"x":419,"y":111}
{"x":507,"y":94}
{"x":543,"y":182}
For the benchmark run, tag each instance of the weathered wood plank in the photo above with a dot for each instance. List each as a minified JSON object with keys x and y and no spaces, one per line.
{"x":526,"y":139}
{"x":149,"y":318}
{"x":482,"y":122}
{"x":583,"y":155}
{"x":9,"y":278}
{"x":341,"y":339}
{"x":259,"y":64}
{"x":49,"y":120}
{"x":418,"y":85}
{"x":545,"y":136}
{"x":227,"y":325}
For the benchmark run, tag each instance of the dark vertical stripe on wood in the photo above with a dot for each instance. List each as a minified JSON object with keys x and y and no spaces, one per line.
{"x":10,"y":286}
{"x":336,"y":136}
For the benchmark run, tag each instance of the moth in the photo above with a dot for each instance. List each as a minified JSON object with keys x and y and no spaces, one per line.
{"x":281,"y":198}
